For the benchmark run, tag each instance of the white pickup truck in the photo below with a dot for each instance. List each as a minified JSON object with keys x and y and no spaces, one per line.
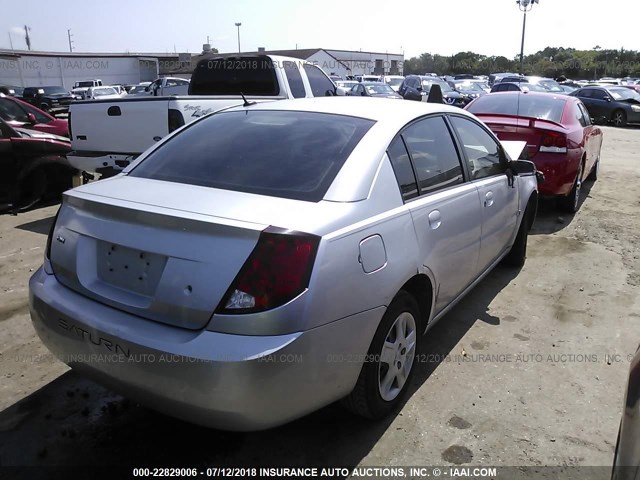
{"x":106,"y":135}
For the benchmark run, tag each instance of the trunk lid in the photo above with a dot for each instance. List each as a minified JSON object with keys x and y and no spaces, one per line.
{"x":164,"y":251}
{"x":531,"y":130}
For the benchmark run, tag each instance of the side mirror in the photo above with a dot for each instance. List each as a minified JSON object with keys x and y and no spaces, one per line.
{"x":146,"y":89}
{"x":607,"y":98}
{"x":522,"y":167}
{"x":31,"y":118}
{"x":419,"y":88}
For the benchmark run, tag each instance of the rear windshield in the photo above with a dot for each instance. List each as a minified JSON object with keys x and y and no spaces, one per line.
{"x":54,"y":90}
{"x":284,"y":154}
{"x":546,"y":107}
{"x":235,"y":75}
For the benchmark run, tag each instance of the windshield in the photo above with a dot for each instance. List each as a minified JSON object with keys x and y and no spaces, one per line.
{"x":546,"y":107}
{"x":533,"y":87}
{"x":286,"y":154}
{"x":84,"y":84}
{"x":138,"y":89}
{"x":54,"y":90}
{"x":469,"y":87}
{"x":551,"y":85}
{"x":381,"y":89}
{"x":101,"y":92}
{"x":394,"y":82}
{"x":623,"y":94}
{"x":444,"y":86}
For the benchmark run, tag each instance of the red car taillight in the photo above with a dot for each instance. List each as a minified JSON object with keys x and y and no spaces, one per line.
{"x":554,"y":142}
{"x":277,"y":271}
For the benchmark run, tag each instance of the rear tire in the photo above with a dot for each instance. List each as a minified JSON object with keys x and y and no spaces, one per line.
{"x":518,"y":253}
{"x":593,"y":175}
{"x":31,"y":189}
{"x":619,"y":118}
{"x":571,"y":203}
{"x":390,"y":364}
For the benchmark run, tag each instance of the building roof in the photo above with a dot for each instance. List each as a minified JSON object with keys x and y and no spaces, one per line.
{"x":33,"y":53}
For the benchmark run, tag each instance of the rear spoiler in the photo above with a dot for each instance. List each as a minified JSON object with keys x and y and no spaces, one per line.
{"x":532,"y":120}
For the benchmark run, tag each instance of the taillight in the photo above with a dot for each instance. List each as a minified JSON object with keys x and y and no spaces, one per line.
{"x":277,"y":271}
{"x":554,"y":142}
{"x":176,"y":120}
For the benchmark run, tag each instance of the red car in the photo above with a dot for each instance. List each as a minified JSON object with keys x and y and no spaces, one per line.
{"x":21,"y":114}
{"x":561,"y":140}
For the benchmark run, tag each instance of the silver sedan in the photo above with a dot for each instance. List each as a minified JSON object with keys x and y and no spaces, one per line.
{"x":268,"y":260}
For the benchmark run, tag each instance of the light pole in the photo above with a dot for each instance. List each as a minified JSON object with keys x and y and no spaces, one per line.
{"x":524,"y":6}
{"x":238,"y":25}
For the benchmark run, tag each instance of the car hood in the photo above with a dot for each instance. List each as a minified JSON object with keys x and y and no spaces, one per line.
{"x":27,"y":132}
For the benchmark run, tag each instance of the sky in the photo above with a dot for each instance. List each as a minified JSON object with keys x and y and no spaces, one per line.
{"x":489,"y":27}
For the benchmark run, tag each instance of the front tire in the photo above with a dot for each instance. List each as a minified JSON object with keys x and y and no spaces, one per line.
{"x":386,"y":374}
{"x":31,"y":190}
{"x":619,"y":118}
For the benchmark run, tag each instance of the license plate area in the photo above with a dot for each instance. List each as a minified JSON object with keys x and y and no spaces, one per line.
{"x":130,"y":269}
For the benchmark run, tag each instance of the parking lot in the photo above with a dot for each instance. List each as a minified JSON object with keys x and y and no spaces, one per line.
{"x":529,"y":369}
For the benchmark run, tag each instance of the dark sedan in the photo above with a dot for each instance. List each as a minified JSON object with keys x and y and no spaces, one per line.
{"x":417,"y":87}
{"x":615,"y":104}
{"x":373,"y":89}
{"x":50,"y":99}
{"x":33,"y":166}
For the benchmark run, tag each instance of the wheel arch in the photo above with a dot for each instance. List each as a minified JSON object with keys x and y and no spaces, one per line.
{"x":421,"y":287}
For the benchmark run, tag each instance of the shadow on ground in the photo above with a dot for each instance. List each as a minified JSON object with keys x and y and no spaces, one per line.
{"x":41,"y":226}
{"x":72,"y":421}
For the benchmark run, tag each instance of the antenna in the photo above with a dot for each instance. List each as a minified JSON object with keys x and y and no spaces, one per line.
{"x":246,"y":102}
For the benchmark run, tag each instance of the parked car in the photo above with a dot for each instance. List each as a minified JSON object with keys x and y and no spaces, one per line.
{"x":33,"y":167}
{"x":517,"y":87}
{"x":560,"y":137}
{"x":343,"y":86}
{"x":101,"y":93}
{"x":51,"y":99}
{"x":105,"y":143}
{"x":373,"y":89}
{"x":21,"y":114}
{"x":394,"y":81}
{"x":547,"y":84}
{"x":139,"y":90}
{"x":278,"y":254}
{"x":615,"y":104}
{"x":88,"y":83}
{"x":626,"y":461}
{"x":416,"y":87}
{"x":369,"y":78}
{"x":168,"y":86}
{"x":471,"y":90}
{"x":568,"y":88}
{"x":497,"y":77}
{"x":12,"y":90}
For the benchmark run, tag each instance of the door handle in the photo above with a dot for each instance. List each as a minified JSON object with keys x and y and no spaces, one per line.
{"x":488,"y":199}
{"x":435,"y":219}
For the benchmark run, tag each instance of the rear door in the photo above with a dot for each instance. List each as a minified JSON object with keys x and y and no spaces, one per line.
{"x":445,"y":207}
{"x":498,"y":194}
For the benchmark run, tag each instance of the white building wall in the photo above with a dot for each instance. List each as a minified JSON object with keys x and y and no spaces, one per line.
{"x":329,"y":64}
{"x":364,"y":63}
{"x":32,"y":71}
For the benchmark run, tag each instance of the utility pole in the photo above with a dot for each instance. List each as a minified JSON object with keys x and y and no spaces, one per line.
{"x":26,"y":36}
{"x":10,"y":41}
{"x":238,"y":24}
{"x":524,"y":6}
{"x":70,"y":42}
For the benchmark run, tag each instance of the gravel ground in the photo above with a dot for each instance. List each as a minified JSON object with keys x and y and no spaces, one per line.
{"x":529,"y":369}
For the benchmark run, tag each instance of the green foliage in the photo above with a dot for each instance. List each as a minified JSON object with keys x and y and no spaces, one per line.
{"x":550,"y":62}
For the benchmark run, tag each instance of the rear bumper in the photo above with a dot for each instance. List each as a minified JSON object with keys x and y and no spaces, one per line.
{"x":232,"y":382}
{"x":104,"y":164}
{"x":559,"y":171}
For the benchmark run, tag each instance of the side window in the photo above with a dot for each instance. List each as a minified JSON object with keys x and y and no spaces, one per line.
{"x":171,"y":83}
{"x":40,"y":117}
{"x":402,"y":168}
{"x":482,"y":151}
{"x":294,"y":79}
{"x":318,"y":80}
{"x":599,"y":94}
{"x":585,"y":115}
{"x":10,"y":111}
{"x":433,"y":154}
{"x":585,"y":93}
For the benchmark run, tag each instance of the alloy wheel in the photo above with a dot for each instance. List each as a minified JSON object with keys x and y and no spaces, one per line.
{"x":396,"y":358}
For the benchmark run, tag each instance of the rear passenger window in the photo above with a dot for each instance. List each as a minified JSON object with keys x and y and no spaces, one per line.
{"x":433,"y":154}
{"x":402,"y":168}
{"x":482,"y":151}
{"x":294,"y":79}
{"x":319,"y":82}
